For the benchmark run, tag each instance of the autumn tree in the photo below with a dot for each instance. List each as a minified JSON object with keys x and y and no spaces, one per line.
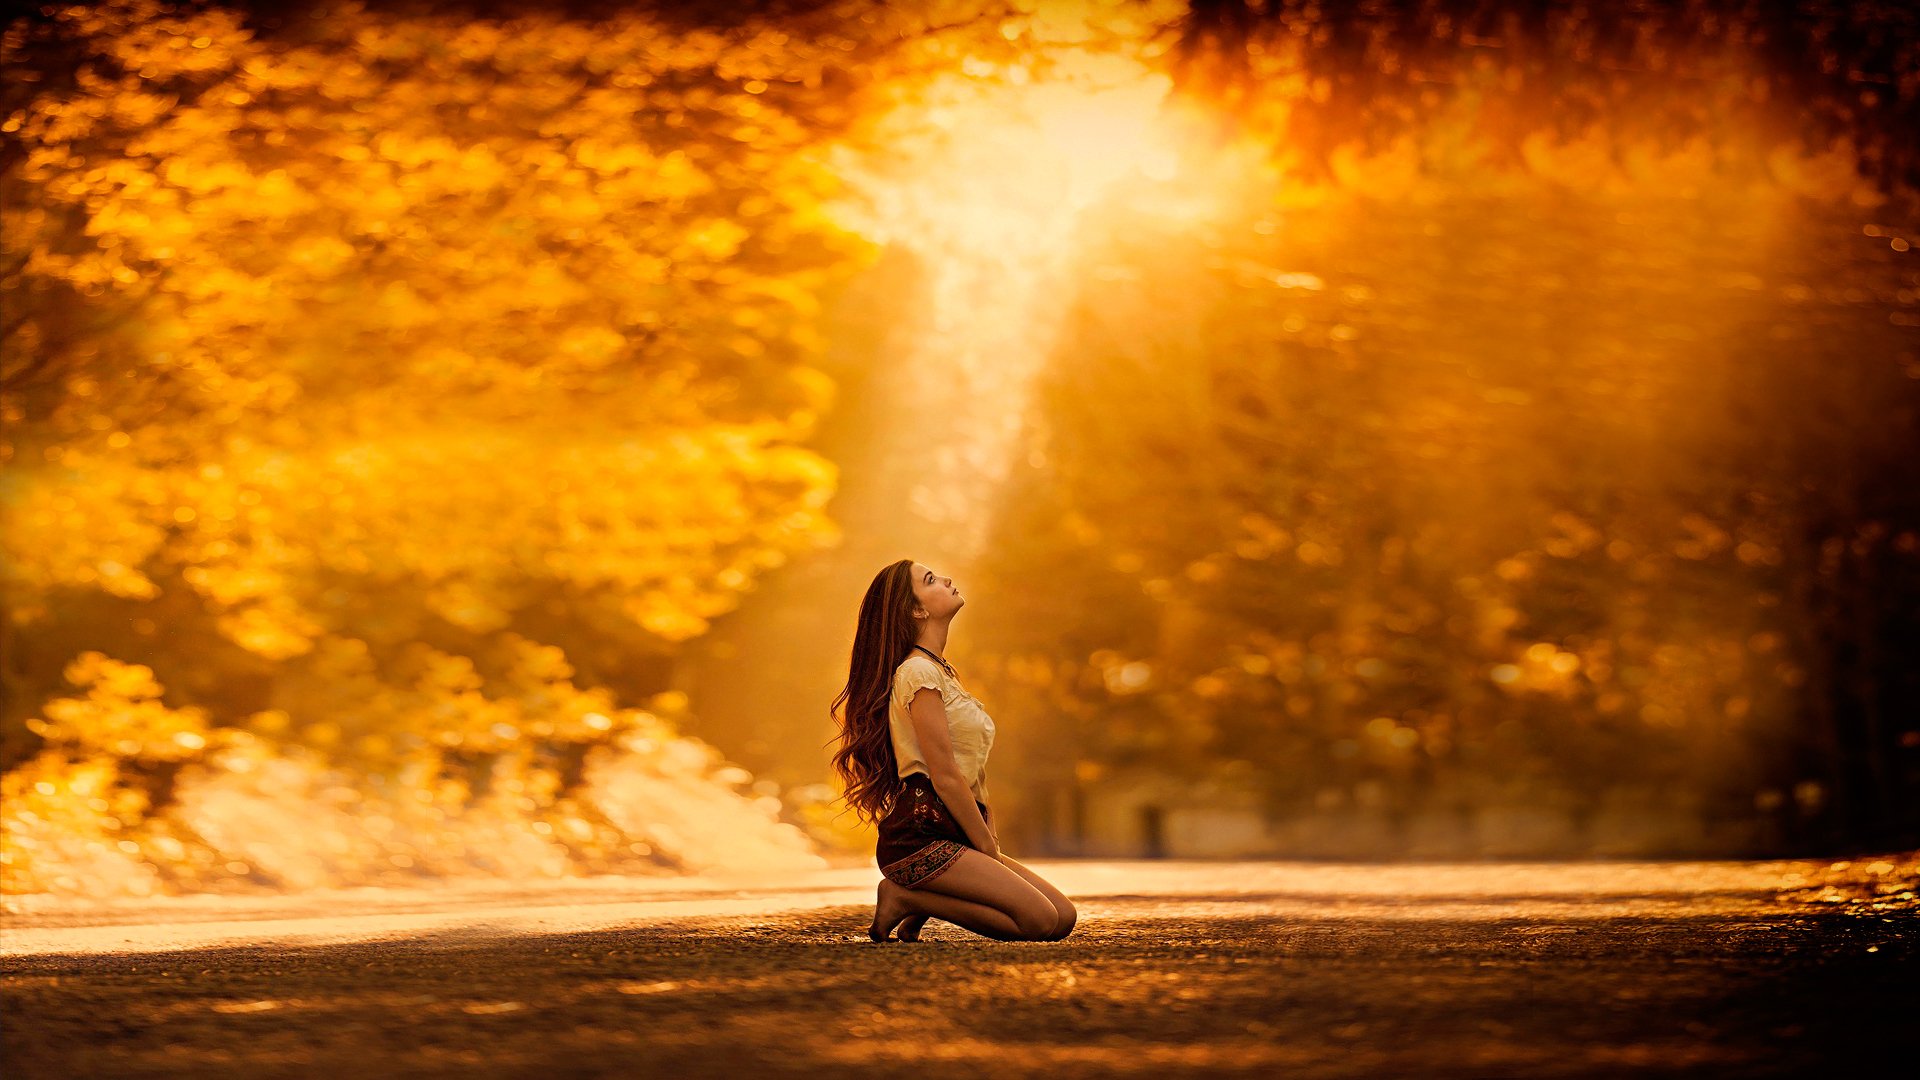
{"x":407,"y":386}
{"x":1468,"y":462}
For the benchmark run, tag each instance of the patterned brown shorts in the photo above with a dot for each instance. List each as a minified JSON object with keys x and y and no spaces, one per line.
{"x":919,"y":840}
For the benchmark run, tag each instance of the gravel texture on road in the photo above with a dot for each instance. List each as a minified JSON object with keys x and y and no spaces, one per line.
{"x":1536,"y":970}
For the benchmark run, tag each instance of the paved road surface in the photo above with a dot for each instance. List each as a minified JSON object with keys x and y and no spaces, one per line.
{"x":1176,"y":969}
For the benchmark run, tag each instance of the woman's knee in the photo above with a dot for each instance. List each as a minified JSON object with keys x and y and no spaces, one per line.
{"x":1054,"y":925}
{"x":1037,"y":924}
{"x":1065,"y":915}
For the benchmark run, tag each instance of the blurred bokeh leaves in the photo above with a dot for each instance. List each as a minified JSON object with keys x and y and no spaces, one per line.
{"x":1474,"y":462}
{"x":1496,"y":414}
{"x":346,"y":349}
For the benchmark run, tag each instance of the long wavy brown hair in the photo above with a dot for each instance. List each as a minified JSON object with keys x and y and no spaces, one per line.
{"x":885,"y":635}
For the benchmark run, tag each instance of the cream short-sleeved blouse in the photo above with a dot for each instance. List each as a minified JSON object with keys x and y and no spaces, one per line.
{"x":969,"y":727}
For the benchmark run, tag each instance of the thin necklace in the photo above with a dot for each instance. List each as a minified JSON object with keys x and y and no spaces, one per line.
{"x":937,"y":656}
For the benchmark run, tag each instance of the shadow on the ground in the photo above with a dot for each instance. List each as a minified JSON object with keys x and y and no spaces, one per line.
{"x":1132,"y":992}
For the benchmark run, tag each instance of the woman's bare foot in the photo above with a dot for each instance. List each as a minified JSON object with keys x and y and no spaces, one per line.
{"x":889,"y":910}
{"x":910,"y":927}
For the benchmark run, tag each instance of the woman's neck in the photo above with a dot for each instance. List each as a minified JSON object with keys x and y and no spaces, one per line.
{"x":934,"y":638}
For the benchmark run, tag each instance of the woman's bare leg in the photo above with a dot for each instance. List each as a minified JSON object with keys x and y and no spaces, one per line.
{"x":1068,"y":914}
{"x":909,"y":909}
{"x":982,"y":894}
{"x":979,"y":918}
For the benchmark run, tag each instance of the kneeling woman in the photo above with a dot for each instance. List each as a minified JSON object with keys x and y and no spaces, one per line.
{"x":913,"y":757}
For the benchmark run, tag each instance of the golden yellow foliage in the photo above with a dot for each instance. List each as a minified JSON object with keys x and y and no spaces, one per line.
{"x":344,"y":360}
{"x":121,"y":716}
{"x":527,"y":342}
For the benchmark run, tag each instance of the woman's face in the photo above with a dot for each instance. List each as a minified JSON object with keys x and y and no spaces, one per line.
{"x":934,"y":593}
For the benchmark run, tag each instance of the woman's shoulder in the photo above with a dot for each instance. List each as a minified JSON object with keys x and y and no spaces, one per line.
{"x":922,"y":670}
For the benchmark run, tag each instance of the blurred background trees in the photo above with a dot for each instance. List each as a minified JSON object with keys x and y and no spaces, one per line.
{"x":402,"y":387}
{"x":1527,"y":465}
{"x":1482,"y":431}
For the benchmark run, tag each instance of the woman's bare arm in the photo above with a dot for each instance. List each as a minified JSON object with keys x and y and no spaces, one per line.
{"x":991,"y":827}
{"x":929,"y":717}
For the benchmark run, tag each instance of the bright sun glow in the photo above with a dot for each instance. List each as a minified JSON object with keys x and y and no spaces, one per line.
{"x":1007,"y":168}
{"x":988,"y":186}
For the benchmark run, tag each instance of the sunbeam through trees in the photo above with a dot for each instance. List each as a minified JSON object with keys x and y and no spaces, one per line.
{"x":1440,"y":429}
